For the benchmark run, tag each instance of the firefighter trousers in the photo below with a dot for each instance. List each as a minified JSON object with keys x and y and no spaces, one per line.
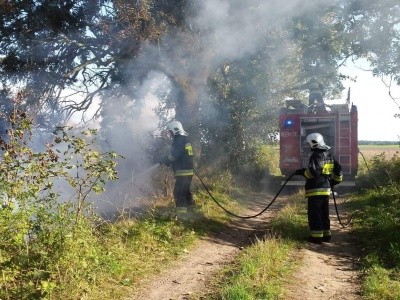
{"x":182,"y":192}
{"x":318,"y":216}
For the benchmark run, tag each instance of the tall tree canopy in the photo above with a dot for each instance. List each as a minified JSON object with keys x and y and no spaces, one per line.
{"x":65,"y":54}
{"x":56,"y":49}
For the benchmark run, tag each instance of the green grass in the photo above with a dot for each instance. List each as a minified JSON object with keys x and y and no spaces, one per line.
{"x":46,"y":252}
{"x":381,"y":283}
{"x":126,"y":243}
{"x":261,"y":270}
{"x":377,"y":226}
{"x":158,"y":237}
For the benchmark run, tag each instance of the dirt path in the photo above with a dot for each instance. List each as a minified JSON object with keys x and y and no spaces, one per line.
{"x":328,"y":271}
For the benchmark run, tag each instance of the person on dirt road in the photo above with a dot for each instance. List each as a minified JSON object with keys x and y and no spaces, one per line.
{"x":322,"y":172}
{"x":181,"y":160}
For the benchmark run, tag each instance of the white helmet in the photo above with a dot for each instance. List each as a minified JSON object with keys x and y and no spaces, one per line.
{"x":176,"y":128}
{"x":316,"y":141}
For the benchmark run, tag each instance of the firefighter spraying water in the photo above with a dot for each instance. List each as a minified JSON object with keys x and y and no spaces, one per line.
{"x":181,"y":161}
{"x":150,"y":170}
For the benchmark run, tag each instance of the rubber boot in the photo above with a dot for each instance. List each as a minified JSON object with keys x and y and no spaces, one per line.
{"x":314,"y":240}
{"x":182,"y":213}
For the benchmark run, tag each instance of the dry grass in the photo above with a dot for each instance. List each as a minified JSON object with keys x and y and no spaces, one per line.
{"x":370,"y":151}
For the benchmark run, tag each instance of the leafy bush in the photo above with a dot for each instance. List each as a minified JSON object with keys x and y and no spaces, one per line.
{"x":262,"y":166}
{"x":38,"y":233}
{"x":267,"y":159}
{"x":381,"y":171}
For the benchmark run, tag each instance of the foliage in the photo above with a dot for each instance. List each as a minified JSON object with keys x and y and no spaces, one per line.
{"x":376,"y":223}
{"x":320,"y":44}
{"x":80,"y":45}
{"x":52,"y":249}
{"x":104,"y":53}
{"x":84,"y":168}
{"x":267,"y":159}
{"x":381,"y":283}
{"x":261,"y":171}
{"x":43,"y":241}
{"x":372,"y":30}
{"x":243,"y":111}
{"x":380,"y":171}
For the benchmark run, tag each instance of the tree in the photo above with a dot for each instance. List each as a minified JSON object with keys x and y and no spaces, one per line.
{"x":59,"y":50}
{"x":373,"y":31}
{"x":65,"y":54}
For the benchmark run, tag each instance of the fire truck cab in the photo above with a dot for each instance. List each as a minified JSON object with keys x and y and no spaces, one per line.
{"x":338,"y":125}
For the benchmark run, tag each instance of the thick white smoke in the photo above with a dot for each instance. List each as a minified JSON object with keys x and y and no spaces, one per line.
{"x":227,"y":30}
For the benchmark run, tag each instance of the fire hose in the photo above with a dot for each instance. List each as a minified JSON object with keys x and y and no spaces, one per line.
{"x":235,"y":215}
{"x":336,"y":209}
{"x":272,"y":201}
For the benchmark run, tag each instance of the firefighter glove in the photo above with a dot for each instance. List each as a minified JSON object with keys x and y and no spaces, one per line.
{"x":334,"y":182}
{"x":299,"y":171}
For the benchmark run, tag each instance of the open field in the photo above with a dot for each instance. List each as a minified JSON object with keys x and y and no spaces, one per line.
{"x":371,"y":150}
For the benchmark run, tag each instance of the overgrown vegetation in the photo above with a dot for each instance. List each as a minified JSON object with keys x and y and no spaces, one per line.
{"x":45,"y":243}
{"x":377,"y":224}
{"x":379,"y":170}
{"x":52,"y":249}
{"x":57,"y":248}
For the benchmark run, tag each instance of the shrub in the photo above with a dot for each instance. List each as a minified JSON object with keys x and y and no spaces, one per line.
{"x":38,"y":233}
{"x":381,"y":171}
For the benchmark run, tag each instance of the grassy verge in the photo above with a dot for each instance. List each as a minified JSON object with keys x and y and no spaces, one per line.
{"x":123,"y":245}
{"x":377,"y":225}
{"x":262,"y":270}
{"x":158,"y":237}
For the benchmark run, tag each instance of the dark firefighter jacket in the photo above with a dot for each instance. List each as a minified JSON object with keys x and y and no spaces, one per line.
{"x":322,"y":168}
{"x":316,"y":88}
{"x":181,"y":157}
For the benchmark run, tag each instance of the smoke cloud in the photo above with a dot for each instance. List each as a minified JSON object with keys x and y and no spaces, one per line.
{"x":228,"y":30}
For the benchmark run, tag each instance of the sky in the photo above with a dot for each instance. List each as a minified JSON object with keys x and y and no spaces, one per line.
{"x":376,"y":109}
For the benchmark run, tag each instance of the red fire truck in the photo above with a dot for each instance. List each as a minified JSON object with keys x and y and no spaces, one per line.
{"x":338,"y":125}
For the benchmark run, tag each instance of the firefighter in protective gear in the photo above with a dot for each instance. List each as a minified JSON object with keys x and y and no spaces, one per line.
{"x":181,"y":160}
{"x":322,"y":172}
{"x":316,"y":93}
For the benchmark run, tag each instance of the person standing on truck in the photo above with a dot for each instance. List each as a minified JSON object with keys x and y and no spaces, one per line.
{"x":316,"y":94}
{"x":181,"y":160}
{"x":323,"y":171}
